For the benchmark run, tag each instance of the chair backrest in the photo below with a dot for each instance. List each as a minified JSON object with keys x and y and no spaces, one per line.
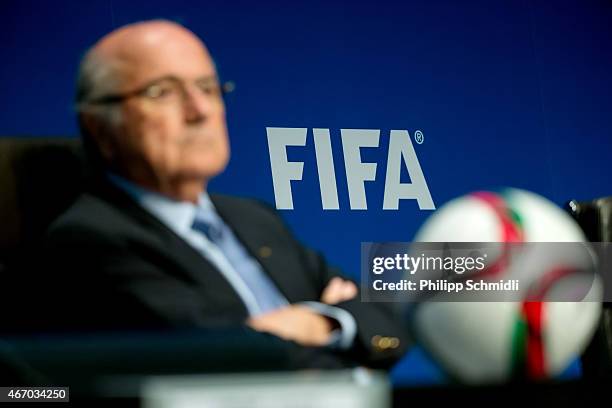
{"x":39,"y":179}
{"x":595,"y":218}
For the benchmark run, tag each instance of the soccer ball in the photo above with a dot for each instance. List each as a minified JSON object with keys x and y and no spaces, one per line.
{"x":488,"y":342}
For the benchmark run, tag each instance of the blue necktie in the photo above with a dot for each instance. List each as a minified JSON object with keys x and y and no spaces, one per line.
{"x":212,"y":232}
{"x":266,"y":293}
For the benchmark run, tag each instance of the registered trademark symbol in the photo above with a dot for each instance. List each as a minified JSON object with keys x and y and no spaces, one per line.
{"x":419,"y":137}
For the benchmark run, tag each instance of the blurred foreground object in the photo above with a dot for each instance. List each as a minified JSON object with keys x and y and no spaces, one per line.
{"x":497,"y":341}
{"x":357,"y":388}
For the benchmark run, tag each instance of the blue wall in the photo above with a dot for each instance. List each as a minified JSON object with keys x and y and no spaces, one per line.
{"x":507,"y":93}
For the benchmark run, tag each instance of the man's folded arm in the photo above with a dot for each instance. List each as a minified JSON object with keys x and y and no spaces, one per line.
{"x":381,"y":337}
{"x":343,"y":337}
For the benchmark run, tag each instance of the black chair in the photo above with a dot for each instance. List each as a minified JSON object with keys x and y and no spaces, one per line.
{"x":39,"y":178}
{"x":595,"y":218}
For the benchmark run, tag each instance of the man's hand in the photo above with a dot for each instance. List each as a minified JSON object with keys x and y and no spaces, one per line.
{"x":338,"y":290}
{"x":296,"y":323}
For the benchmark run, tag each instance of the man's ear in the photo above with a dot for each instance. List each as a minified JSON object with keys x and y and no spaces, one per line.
{"x":98,"y":134}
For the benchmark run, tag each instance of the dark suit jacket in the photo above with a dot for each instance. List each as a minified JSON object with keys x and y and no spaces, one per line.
{"x":111,"y":264}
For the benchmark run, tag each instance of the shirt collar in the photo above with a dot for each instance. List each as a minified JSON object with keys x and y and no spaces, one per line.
{"x":178,"y":215}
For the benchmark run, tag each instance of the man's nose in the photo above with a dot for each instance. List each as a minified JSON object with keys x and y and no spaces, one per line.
{"x":196,"y":106}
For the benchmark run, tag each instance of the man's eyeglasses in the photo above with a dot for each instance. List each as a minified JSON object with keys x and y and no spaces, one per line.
{"x":169,"y":89}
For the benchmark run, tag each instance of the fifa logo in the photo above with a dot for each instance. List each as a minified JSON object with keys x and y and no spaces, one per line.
{"x":400,"y":151}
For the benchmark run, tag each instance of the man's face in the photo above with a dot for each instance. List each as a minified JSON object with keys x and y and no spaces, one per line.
{"x":175,"y":130}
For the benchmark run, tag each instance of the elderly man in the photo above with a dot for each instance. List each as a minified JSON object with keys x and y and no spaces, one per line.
{"x":146,"y":246}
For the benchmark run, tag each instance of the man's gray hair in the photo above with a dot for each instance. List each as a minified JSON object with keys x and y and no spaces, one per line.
{"x":96,"y":77}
